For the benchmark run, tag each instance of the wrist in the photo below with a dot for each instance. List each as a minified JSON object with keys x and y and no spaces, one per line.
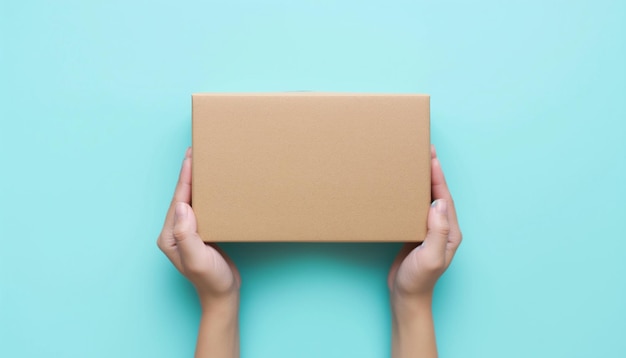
{"x":220,"y":306}
{"x":407,"y":308}
{"x":218,"y":334}
{"x":413,"y":332}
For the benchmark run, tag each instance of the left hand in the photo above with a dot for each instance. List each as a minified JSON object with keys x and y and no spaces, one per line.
{"x":212,"y":273}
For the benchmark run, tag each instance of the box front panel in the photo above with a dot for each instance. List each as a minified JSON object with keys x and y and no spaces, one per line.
{"x":311,"y":167}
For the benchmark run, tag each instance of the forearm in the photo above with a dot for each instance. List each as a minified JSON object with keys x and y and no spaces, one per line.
{"x":218,"y":335}
{"x":413,"y":330}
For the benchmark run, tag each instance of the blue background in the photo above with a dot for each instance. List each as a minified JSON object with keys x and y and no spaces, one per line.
{"x":528,"y":113}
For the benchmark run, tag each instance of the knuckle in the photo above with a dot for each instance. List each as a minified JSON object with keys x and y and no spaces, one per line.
{"x":179,"y":234}
{"x":444,"y":229}
{"x":160,"y":243}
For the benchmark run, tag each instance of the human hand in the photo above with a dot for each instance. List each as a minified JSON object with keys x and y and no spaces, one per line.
{"x":417,"y":267}
{"x":415,"y":272}
{"x":212,"y":273}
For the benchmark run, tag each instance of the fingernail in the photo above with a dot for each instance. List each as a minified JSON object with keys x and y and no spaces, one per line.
{"x":181,"y":211}
{"x":188,"y":153}
{"x":442,"y":207}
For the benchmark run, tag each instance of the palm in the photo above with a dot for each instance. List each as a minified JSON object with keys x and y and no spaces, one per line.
{"x":416,"y":269}
{"x":218,"y":271}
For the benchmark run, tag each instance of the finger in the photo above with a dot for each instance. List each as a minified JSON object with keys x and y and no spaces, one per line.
{"x":182,"y":193}
{"x":168,"y":247}
{"x":183,"y":186}
{"x":188,"y":242}
{"x":438,"y":230}
{"x":440,"y":190}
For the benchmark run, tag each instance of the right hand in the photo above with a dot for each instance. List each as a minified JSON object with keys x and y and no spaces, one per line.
{"x":417,"y":267}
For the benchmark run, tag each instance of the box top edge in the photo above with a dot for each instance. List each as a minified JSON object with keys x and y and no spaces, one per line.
{"x":306,"y":94}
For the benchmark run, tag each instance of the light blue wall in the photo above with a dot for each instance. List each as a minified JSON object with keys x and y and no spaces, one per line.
{"x":528,"y":112}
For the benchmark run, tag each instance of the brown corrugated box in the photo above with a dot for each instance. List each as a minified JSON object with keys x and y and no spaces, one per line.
{"x":311,"y":166}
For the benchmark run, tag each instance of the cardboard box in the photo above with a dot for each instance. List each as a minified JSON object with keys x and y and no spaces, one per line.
{"x":311,"y":167}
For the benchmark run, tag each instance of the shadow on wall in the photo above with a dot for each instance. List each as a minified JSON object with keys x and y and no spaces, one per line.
{"x":334,"y":261}
{"x":363,"y":255}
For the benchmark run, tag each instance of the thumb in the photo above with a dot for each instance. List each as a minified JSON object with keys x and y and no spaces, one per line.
{"x":188,"y":241}
{"x":438,"y":228}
